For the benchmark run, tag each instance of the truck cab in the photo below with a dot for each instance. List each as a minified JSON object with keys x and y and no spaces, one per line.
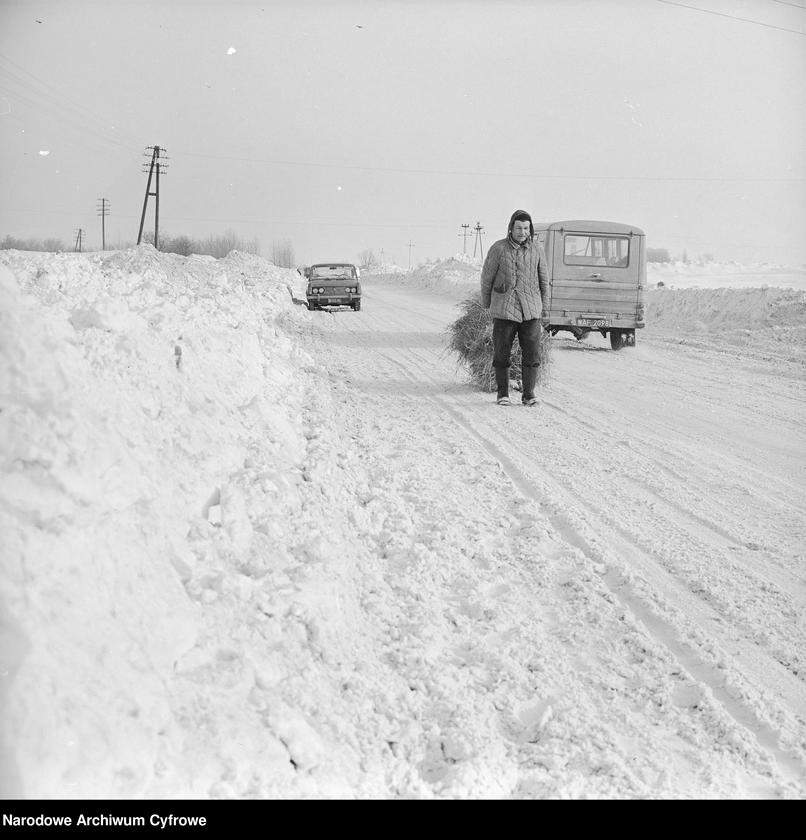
{"x":597,"y":278}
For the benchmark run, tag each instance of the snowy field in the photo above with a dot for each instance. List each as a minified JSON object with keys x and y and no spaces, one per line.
{"x":251,"y":551}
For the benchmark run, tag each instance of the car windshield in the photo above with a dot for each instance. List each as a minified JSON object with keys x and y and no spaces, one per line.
{"x":333,"y":272}
{"x":596,"y":250}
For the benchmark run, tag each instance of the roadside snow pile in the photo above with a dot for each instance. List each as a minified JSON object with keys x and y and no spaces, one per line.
{"x":384,"y":268}
{"x":678,"y":267}
{"x":142,"y":397}
{"x":457,"y":274}
{"x":755,"y":316}
{"x":730,"y":274}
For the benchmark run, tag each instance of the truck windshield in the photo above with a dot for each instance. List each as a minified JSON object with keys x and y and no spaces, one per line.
{"x":580,"y":249}
{"x":326,"y":272}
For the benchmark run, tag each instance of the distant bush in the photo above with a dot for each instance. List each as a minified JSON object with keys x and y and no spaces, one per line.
{"x":215,"y":245}
{"x":658,"y":255}
{"x":367,"y":260}
{"x":10,"y":243}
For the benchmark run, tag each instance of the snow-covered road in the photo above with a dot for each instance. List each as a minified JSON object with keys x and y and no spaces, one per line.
{"x":602,"y":596}
{"x":251,"y":551}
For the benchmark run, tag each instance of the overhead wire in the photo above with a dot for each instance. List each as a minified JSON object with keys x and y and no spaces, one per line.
{"x":732,"y":17}
{"x":474,"y":174}
{"x":53,"y":110}
{"x":786,"y":3}
{"x":57,"y":98}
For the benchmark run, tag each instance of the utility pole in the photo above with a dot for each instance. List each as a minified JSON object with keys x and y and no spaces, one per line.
{"x":155,"y":168}
{"x":463,"y":234}
{"x":479,"y":230}
{"x":79,"y":235}
{"x":411,"y":245}
{"x":103,"y":212}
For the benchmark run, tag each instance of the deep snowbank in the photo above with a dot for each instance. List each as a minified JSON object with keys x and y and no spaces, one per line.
{"x":141,"y":392}
{"x":767,"y":316}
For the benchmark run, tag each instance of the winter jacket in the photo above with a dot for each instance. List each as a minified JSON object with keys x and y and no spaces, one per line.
{"x":514,"y":280}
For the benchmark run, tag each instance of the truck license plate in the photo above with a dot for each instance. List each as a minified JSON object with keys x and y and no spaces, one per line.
{"x":593,"y":322}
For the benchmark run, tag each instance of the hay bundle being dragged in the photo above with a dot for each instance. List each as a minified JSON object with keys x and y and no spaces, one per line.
{"x":471,"y":337}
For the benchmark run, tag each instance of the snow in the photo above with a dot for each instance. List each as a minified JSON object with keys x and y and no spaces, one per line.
{"x":726,"y":274}
{"x":251,"y":551}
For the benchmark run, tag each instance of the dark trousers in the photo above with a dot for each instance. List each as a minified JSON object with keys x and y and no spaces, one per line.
{"x":504,"y":332}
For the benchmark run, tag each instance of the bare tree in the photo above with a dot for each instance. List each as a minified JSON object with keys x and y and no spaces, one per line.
{"x":657,"y":255}
{"x":367,"y":259}
{"x":17,"y":244}
{"x":282,"y":253}
{"x":177,"y":245}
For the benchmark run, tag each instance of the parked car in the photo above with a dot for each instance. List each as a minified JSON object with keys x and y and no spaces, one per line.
{"x":333,"y":284}
{"x":597,"y":277}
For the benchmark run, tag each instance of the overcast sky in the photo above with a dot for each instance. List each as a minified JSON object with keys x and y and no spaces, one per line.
{"x":351,"y":125}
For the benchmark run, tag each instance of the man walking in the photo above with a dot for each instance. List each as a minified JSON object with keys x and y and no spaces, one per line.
{"x":514,"y":287}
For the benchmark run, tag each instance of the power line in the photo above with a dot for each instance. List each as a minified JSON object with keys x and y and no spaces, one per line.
{"x":251,"y":220}
{"x":98,"y":139}
{"x":785,"y":3}
{"x":54,"y":93}
{"x":45,"y":99}
{"x":462,"y":173}
{"x":732,"y":17}
{"x":318,"y":223}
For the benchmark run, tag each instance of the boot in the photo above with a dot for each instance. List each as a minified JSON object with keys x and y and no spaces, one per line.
{"x":529,"y":377}
{"x":502,"y":385}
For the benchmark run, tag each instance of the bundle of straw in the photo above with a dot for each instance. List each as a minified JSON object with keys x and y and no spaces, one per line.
{"x":471,"y":337}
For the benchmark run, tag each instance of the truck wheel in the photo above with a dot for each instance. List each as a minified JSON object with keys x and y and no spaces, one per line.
{"x":311,"y":307}
{"x":617,"y":339}
{"x":357,"y":305}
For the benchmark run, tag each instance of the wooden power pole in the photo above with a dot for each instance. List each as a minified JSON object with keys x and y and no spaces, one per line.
{"x":479,"y":230}
{"x":463,"y":234}
{"x":103,"y":212}
{"x":155,"y":168}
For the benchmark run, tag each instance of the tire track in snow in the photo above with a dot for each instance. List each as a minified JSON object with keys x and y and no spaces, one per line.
{"x":627,"y":542}
{"x":751,"y":565}
{"x":765,"y":566}
{"x":657,"y":627}
{"x":762,"y":484}
{"x":681,"y":516}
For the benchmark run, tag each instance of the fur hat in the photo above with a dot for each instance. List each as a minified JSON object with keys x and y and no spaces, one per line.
{"x":521,"y":216}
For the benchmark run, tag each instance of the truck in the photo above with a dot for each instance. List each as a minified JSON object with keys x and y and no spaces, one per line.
{"x":597,"y":278}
